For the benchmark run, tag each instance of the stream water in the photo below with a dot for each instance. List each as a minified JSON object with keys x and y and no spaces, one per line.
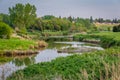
{"x":48,"y":54}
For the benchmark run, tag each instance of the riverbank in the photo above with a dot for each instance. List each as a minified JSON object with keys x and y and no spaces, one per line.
{"x":12,"y":47}
{"x":92,"y":66}
{"x":105,"y":39}
{"x":77,"y":50}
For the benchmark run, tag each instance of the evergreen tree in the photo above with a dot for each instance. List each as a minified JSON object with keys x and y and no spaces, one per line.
{"x":91,"y":19}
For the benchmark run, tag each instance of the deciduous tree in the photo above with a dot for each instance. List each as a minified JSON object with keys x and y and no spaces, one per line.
{"x":22,"y":16}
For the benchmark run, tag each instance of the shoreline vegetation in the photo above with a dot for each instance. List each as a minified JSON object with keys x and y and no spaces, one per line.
{"x":105,"y":39}
{"x":99,"y":65}
{"x":14,"y":47}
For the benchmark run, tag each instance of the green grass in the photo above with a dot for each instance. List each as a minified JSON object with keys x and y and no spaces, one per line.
{"x":15,"y":44}
{"x":107,"y":39}
{"x":115,"y":35}
{"x":5,"y":59}
{"x":92,"y":66}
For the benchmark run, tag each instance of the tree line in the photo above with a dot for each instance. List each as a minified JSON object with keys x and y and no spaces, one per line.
{"x":23,"y":18}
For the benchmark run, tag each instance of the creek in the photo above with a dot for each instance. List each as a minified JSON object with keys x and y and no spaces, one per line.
{"x":56,"y":48}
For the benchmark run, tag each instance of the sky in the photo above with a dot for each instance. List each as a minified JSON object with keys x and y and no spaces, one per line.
{"x":108,"y":9}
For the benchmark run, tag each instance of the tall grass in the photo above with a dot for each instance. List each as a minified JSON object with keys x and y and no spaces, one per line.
{"x":100,"y":65}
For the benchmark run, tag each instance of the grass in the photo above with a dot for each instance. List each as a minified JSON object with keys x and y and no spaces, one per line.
{"x":100,"y":65}
{"x":107,"y":39}
{"x":5,"y":59}
{"x":115,"y":35}
{"x":15,"y":44}
{"x":104,"y":26}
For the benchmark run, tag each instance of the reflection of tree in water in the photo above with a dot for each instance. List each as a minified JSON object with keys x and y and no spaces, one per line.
{"x":53,"y":39}
{"x":24,"y":61}
{"x":57,"y":45}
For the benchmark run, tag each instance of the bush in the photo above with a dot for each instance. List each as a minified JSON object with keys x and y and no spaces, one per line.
{"x":116,"y":28}
{"x":5,"y":30}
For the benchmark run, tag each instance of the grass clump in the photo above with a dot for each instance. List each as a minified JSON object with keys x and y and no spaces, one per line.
{"x":100,"y":65}
{"x":15,"y":44}
{"x":5,"y":59}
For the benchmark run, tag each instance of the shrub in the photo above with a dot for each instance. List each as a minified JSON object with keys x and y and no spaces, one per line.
{"x":116,"y":28}
{"x":5,"y":30}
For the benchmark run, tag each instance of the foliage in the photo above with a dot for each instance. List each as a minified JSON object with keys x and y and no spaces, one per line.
{"x":92,"y":66}
{"x":83,"y":22}
{"x":5,"y":18}
{"x":38,"y":25}
{"x":52,"y":23}
{"x":57,"y":33}
{"x":5,"y":30}
{"x":47,"y":34}
{"x":22,"y":16}
{"x":104,"y":26}
{"x":5,"y":59}
{"x":116,"y":28}
{"x":81,"y":37}
{"x":56,"y":24}
{"x":48,"y":17}
{"x":101,"y":20}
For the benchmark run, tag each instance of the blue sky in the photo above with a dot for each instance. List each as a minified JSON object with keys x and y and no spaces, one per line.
{"x":77,"y":8}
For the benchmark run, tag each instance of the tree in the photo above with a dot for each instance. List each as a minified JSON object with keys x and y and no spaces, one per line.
{"x":48,"y":17}
{"x":91,"y":19}
{"x":70,"y":18}
{"x":100,"y":20}
{"x":5,"y":30}
{"x":22,"y":16}
{"x":115,"y":20}
{"x":118,"y":20}
{"x":116,"y":28}
{"x":1,"y":17}
{"x":38,"y":25}
{"x":108,"y":21}
{"x":5,"y":18}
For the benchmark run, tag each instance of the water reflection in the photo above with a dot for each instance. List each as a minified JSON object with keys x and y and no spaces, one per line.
{"x":56,"y":45}
{"x":48,"y":55}
{"x":57,"y":38}
{"x":24,"y":61}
